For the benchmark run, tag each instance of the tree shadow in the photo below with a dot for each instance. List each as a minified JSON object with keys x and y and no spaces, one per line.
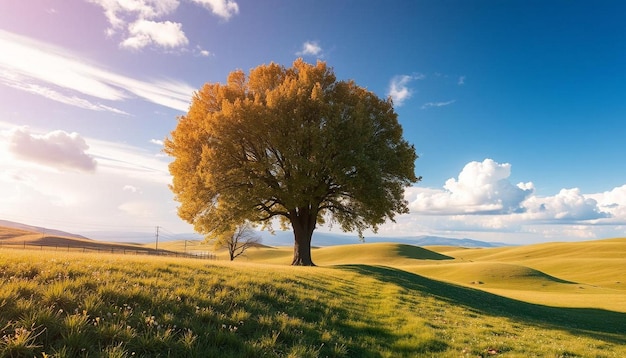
{"x":593,"y":322}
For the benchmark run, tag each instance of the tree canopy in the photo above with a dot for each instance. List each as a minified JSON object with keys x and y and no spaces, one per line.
{"x":293,"y":144}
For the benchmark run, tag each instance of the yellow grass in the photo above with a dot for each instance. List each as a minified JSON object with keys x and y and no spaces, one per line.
{"x":581,"y":274}
{"x":566,"y":274}
{"x":555,"y":299}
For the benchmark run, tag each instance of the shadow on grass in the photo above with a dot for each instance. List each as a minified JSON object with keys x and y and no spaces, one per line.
{"x":419,"y":253}
{"x":596,"y":323}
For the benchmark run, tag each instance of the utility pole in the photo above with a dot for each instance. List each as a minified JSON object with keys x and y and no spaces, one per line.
{"x":156,"y":247}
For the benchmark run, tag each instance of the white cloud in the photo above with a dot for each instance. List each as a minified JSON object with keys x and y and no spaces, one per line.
{"x":399,"y":90}
{"x":482,"y":203}
{"x":568,"y":204}
{"x":57,"y":149}
{"x":136,"y":20}
{"x":437,"y":104}
{"x":156,"y":141}
{"x":612,"y":202}
{"x":118,"y":11}
{"x":146,"y":32}
{"x":40,"y":68}
{"x":481,"y":188}
{"x":70,"y":200}
{"x":199,"y":51}
{"x":311,"y":48}
{"x":461,"y":81}
{"x":222,"y":8}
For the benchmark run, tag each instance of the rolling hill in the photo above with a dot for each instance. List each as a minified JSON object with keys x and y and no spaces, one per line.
{"x":548,"y":273}
{"x":552,"y":299}
{"x":577,"y":273}
{"x":20,"y":235}
{"x":37,"y":229}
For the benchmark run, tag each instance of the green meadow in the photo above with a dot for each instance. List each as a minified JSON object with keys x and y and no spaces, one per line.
{"x":364,"y":300}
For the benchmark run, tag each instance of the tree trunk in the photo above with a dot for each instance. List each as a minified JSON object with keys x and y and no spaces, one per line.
{"x":303,"y":223}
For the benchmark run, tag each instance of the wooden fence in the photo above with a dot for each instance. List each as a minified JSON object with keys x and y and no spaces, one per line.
{"x":113,"y":249}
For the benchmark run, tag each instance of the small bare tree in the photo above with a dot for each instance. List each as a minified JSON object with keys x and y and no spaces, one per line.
{"x":239,"y":241}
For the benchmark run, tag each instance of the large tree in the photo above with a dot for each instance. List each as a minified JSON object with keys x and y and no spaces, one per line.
{"x":294,"y":144}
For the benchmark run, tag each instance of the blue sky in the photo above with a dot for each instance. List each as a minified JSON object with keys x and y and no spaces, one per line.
{"x":516,"y":108}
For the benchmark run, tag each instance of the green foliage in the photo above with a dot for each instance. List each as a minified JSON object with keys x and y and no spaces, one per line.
{"x":165,"y":307}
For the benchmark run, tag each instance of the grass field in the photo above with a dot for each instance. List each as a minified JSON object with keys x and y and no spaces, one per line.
{"x":366,"y":300}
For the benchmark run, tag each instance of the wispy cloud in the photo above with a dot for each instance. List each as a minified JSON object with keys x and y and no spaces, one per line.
{"x":461,"y":81}
{"x":399,"y":90}
{"x":43,"y":69}
{"x":310,"y":48}
{"x":437,"y":104}
{"x":14,"y":81}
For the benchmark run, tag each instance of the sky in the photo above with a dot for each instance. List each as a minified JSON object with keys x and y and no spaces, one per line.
{"x":517,"y":109}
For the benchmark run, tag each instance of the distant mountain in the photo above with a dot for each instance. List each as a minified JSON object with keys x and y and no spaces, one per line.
{"x":285,"y":238}
{"x":446,"y":241}
{"x":280,"y":238}
{"x":39,"y":229}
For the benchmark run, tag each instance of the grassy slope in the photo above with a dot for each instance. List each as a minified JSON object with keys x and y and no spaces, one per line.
{"x":582,"y":274}
{"x":557,"y":299}
{"x":71,"y":304}
{"x":585,"y":274}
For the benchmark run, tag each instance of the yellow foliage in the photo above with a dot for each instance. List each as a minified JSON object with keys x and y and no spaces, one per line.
{"x":292,"y":143}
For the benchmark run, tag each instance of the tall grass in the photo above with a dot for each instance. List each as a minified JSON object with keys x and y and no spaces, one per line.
{"x":82,"y":305}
